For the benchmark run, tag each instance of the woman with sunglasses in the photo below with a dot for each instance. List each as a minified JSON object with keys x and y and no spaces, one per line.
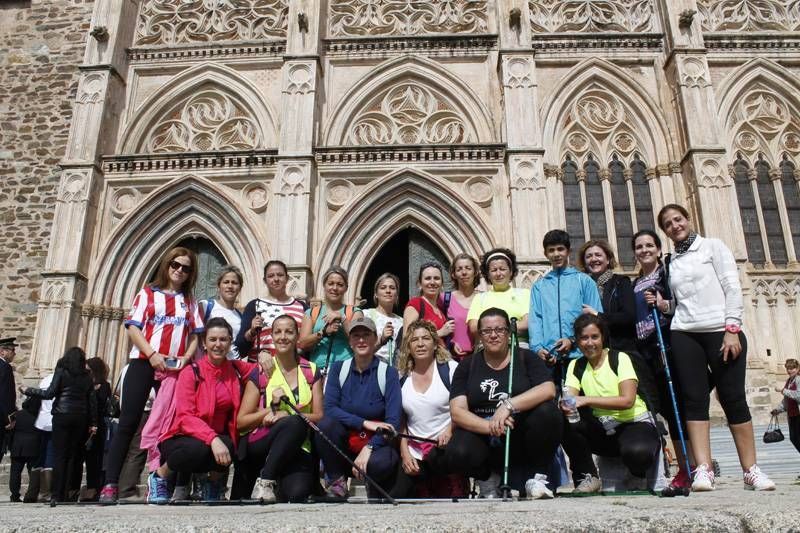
{"x":163,"y":326}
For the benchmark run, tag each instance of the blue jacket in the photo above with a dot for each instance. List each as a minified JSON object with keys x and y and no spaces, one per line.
{"x":360,"y":398}
{"x":556,"y":301}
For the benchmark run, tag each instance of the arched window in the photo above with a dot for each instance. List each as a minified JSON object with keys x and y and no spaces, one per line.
{"x":595,"y":203}
{"x":748,"y":211}
{"x":769,"y":209}
{"x":623,"y":223}
{"x":791,"y":198}
{"x":573,"y":205}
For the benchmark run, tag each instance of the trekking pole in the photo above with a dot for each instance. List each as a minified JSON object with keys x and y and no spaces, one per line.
{"x":391,"y":351}
{"x":671,"y":387}
{"x":386,"y":433}
{"x":330,"y":350}
{"x":505,"y":488}
{"x":316,"y":428}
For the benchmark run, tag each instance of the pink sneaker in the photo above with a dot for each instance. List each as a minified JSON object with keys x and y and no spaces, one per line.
{"x":755,"y":479}
{"x":109,"y":494}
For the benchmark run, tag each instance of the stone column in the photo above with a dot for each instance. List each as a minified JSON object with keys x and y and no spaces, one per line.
{"x":99,"y":95}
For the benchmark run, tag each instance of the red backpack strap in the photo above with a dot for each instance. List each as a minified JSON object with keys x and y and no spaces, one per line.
{"x":308,"y":373}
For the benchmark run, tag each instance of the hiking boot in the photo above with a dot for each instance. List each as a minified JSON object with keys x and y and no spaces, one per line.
{"x":181,"y":493}
{"x":264,"y":490}
{"x":157,"y":489}
{"x":489,"y":488}
{"x":337,"y":488}
{"x":703,"y":480}
{"x":536,"y":488}
{"x":109,"y":494}
{"x":755,"y":479}
{"x":588,"y":485}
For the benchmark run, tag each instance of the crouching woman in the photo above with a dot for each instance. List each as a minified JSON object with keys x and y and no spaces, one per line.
{"x":203,"y":435}
{"x":614,"y":420}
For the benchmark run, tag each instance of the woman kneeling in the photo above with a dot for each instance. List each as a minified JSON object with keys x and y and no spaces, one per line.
{"x":614,"y":420}
{"x":482,"y":410}
{"x":203,"y":435}
{"x":278,"y":444}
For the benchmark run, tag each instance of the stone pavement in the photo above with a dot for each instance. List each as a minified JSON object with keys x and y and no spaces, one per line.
{"x":729,"y":508}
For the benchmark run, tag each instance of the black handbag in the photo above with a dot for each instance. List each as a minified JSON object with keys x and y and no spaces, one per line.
{"x":773,"y":432}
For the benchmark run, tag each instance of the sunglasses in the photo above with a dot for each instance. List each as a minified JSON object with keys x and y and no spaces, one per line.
{"x":174,"y":265}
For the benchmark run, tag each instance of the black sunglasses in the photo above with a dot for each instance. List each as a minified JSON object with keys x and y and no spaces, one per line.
{"x":174,"y":265}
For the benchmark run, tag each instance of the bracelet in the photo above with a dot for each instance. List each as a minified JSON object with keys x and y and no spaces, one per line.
{"x":152,"y":354}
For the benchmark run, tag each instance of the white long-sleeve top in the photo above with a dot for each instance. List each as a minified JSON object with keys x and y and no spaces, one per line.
{"x":706,"y":288}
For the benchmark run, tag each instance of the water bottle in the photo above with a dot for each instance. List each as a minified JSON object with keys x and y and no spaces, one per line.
{"x":569,"y":401}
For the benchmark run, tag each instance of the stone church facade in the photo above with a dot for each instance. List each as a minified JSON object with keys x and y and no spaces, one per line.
{"x":316,"y":131}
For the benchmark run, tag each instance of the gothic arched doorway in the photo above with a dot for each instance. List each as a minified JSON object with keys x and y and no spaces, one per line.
{"x":402,"y":255}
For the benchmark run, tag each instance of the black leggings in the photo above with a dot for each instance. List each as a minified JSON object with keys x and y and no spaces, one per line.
{"x":534,"y":440}
{"x":794,"y":431}
{"x":652,"y":355}
{"x":18,"y":464}
{"x":280,"y":457}
{"x":697,"y":353}
{"x":434,"y":465}
{"x":188,"y":454}
{"x":69,"y":436}
{"x":135,"y":392}
{"x":637,"y":443}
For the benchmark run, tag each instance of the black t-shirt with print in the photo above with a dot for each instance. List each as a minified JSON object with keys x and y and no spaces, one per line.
{"x":484,"y":386}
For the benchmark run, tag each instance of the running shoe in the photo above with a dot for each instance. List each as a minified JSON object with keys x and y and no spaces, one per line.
{"x":755,"y":479}
{"x":337,"y":488}
{"x":703,"y":480}
{"x":536,"y":488}
{"x":157,"y":489}
{"x":181,"y":493}
{"x":489,"y":488}
{"x":109,"y":494}
{"x":588,"y":485}
{"x":264,"y":490}
{"x":679,"y":486}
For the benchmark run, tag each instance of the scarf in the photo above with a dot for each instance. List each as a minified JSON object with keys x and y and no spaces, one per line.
{"x":683,"y":247}
{"x":602,"y":279}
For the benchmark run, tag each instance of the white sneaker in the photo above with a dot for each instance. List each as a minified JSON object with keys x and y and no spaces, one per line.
{"x":703,"y":480}
{"x":489,"y":488}
{"x":589,"y":485}
{"x":755,"y":479}
{"x":181,"y":493}
{"x":264,"y":490}
{"x":536,"y":488}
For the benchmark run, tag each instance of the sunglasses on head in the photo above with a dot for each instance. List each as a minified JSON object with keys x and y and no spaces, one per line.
{"x":174,"y":265}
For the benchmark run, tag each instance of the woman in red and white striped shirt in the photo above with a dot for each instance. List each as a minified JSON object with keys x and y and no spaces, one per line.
{"x":163,"y":326}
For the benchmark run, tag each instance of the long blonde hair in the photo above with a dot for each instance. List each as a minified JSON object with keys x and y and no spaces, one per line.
{"x":405,"y":363}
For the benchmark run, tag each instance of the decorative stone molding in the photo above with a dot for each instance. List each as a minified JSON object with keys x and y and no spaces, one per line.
{"x":773,"y":287}
{"x":124,"y":200}
{"x":523,"y":175}
{"x":352,"y":18}
{"x":339,"y":193}
{"x":749,"y":15}
{"x":445,"y":45}
{"x":764,"y":122}
{"x":480,"y":190}
{"x":518,"y":72}
{"x":260,"y":50}
{"x":192,"y":161}
{"x":713,"y":175}
{"x":694,"y":73}
{"x":293,"y":178}
{"x":256,"y":196}
{"x":209,"y":120}
{"x":410,"y":154}
{"x":409,"y":113}
{"x":176,"y":22}
{"x":300,"y":78}
{"x":636,"y":43}
{"x":74,"y":186}
{"x":736,"y":43}
{"x":626,"y":16}
{"x":92,"y":88}
{"x":528,"y":275}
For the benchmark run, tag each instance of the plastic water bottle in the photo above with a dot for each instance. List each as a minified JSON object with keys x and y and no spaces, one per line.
{"x":569,"y":401}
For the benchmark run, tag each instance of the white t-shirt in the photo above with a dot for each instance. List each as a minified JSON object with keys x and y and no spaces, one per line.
{"x":232,"y":316}
{"x":427,"y":413}
{"x":44,"y":421}
{"x":380,"y":322}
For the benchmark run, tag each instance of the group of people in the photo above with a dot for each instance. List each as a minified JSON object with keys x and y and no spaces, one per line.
{"x":491,"y":385}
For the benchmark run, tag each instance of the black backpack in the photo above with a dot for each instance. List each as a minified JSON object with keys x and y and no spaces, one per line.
{"x":646,"y":389}
{"x":444,"y":374}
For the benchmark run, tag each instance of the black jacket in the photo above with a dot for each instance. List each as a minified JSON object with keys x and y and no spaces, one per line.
{"x":8,"y":391}
{"x":73,"y":395}
{"x":619,"y":311}
{"x":26,"y":439}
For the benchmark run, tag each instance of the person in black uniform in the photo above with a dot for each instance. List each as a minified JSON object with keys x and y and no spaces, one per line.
{"x":8,"y":390}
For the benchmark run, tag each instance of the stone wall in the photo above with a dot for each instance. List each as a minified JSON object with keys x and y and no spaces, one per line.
{"x":42,"y":42}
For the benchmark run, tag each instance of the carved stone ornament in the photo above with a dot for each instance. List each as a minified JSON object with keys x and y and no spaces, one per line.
{"x":712,"y":175}
{"x":765,"y":123}
{"x":207,"y":121}
{"x":356,"y":18}
{"x":256,"y":196}
{"x":73,"y":187}
{"x":749,"y":15}
{"x":124,"y":200}
{"x":171,"y":22}
{"x":479,"y":189}
{"x":693,"y":73}
{"x":92,"y":88}
{"x":409,"y":114}
{"x":517,"y":72}
{"x":773,"y":287}
{"x":558,"y":16}
{"x":339,"y":193}
{"x":523,"y":175}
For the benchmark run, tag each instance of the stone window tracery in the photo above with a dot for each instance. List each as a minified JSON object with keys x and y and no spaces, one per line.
{"x":175,"y":22}
{"x":749,"y":15}
{"x":593,"y":16}
{"x":360,"y":18}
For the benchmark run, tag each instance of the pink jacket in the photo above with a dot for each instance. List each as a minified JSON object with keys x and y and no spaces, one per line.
{"x":196,"y":401}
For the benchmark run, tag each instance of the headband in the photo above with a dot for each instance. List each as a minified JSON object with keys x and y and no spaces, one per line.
{"x":496,"y":255}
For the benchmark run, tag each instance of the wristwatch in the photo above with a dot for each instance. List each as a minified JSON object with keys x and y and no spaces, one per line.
{"x":732,"y":328}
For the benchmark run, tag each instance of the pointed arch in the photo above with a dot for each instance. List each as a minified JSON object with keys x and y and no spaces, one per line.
{"x":595,"y":79}
{"x":185,"y":206}
{"x":406,"y":198}
{"x":760,"y":111}
{"x":221,"y":80}
{"x":424,"y":74}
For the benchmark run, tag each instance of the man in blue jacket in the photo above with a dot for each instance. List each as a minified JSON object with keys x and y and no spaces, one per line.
{"x":557,"y":299}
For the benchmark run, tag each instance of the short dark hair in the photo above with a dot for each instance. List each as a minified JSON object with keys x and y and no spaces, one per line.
{"x":218,"y":322}
{"x":586,"y":320}
{"x":669,"y":207}
{"x":494,"y":311}
{"x":499,"y":253}
{"x":555,"y":237}
{"x":646,"y":232}
{"x":275,"y":262}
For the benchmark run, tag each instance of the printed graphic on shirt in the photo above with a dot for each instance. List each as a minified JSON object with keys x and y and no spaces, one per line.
{"x":490,"y":386}
{"x":166,"y":321}
{"x":269,"y":311}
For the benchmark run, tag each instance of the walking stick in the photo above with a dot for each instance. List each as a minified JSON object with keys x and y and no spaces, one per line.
{"x":330,"y":350}
{"x":505,"y":488}
{"x":397,"y":435}
{"x":316,"y":428}
{"x":671,"y":387}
